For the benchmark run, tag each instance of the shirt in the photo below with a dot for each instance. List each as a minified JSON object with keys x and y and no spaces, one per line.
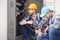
{"x":35,"y":21}
{"x":44,"y":22}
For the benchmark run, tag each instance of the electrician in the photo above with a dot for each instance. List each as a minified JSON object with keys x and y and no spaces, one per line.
{"x":54,"y":30}
{"x":31,"y":20}
{"x":46,"y":14}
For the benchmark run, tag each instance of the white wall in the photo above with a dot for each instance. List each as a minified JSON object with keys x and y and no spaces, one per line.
{"x":50,"y":4}
{"x":53,"y":4}
{"x":57,"y":6}
{"x":3,"y":19}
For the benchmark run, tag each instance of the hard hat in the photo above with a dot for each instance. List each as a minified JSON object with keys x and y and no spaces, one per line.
{"x":32,"y":6}
{"x":44,"y":11}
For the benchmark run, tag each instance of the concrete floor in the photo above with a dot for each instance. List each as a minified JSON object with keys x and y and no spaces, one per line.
{"x":22,"y":38}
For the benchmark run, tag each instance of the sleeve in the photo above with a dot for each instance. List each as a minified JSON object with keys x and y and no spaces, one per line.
{"x":56,"y":23}
{"x":26,"y":18}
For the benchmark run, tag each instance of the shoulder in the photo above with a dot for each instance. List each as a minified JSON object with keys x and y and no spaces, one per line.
{"x":26,"y":17}
{"x":57,"y":19}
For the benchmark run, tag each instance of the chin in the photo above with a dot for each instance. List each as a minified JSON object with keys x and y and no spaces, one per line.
{"x":30,"y":14}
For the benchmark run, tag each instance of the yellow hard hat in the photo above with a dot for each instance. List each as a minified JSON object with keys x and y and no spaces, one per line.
{"x":32,"y":6}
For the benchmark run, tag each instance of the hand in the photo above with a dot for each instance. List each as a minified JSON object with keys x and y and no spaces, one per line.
{"x":30,"y":22}
{"x":36,"y":31}
{"x":39,"y":32}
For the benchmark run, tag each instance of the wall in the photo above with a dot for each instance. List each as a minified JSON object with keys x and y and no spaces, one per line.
{"x":53,"y":4}
{"x":49,"y":3}
{"x":57,"y":6}
{"x":3,"y":19}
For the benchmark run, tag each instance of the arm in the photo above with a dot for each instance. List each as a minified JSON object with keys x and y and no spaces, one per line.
{"x":23,"y":22}
{"x":56,"y":23}
{"x":26,"y":21}
{"x":46,"y":29}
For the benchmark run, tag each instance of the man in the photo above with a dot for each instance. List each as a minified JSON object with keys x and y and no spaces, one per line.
{"x":46,"y":14}
{"x":54,"y":30}
{"x":31,"y":20}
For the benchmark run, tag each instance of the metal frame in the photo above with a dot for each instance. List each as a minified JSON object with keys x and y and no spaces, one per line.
{"x":11,"y":26}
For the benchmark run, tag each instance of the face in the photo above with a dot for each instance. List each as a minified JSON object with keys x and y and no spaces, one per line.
{"x":31,"y":11}
{"x":49,"y":14}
